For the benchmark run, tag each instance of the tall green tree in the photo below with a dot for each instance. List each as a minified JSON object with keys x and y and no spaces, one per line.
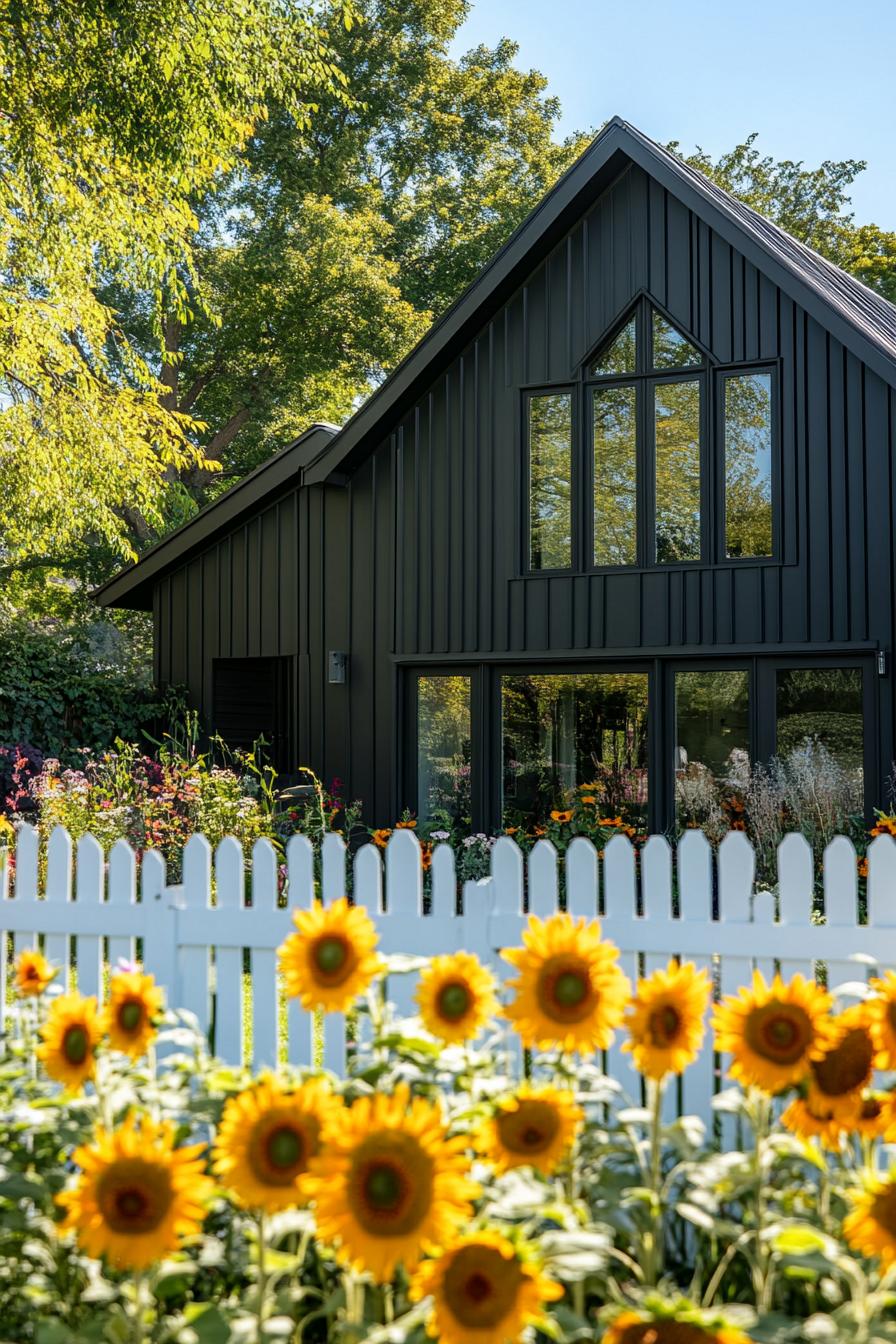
{"x":115,"y":120}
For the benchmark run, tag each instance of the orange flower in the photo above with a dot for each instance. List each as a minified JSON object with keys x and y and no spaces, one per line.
{"x":409,"y":825}
{"x":539,"y":830}
{"x":426,"y":856}
{"x":862,"y":867}
{"x":381,"y":837}
{"x":885,"y":825}
{"x":588,"y":798}
{"x":561,"y":817}
{"x":511,"y":830}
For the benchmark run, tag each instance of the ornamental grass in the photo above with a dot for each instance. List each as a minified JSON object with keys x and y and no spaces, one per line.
{"x":475,"y":1178}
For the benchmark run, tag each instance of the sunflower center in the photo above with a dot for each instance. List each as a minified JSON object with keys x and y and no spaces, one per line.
{"x":134,"y":1196}
{"x":454,"y":1001}
{"x":75,"y":1044}
{"x":285,"y":1148}
{"x":883,"y":1209}
{"x":780,"y":1032}
{"x":564,"y":989}
{"x":847,"y":1066}
{"x":330,"y":954}
{"x":530,"y":1128}
{"x":481,"y":1286}
{"x":871,"y":1109}
{"x":390,"y":1184}
{"x":665,"y":1332}
{"x":663,"y":1025}
{"x":891,"y":1014}
{"x":130,"y":1015}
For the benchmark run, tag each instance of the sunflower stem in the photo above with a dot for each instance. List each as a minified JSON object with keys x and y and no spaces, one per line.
{"x":262,"y":1271}
{"x":761,"y":1124}
{"x":138,"y":1310}
{"x":656,"y":1088}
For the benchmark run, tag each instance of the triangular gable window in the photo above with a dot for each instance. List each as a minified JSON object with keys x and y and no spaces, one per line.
{"x":670,"y":349}
{"x":620,"y":355}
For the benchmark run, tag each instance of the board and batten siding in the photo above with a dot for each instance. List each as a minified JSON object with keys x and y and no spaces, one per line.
{"x":416,"y":558}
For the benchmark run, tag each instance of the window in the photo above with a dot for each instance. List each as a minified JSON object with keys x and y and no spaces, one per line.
{"x":615,"y":476}
{"x":747,"y":409}
{"x":712,"y":741}
{"x":443,"y":748}
{"x":550,"y":481}
{"x":562,"y":732}
{"x":823,"y":707}
{"x":675,"y":458}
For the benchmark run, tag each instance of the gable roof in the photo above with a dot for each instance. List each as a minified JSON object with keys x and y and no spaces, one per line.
{"x":132,"y":587}
{"x":857,"y":316}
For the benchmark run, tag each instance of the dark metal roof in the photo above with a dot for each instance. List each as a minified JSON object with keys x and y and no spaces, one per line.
{"x":857,"y":316}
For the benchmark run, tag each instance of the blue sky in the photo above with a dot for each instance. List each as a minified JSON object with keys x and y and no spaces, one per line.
{"x":816,"y":80}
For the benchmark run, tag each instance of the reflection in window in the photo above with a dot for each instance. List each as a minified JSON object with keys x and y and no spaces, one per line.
{"x":562,"y":732}
{"x":748,"y":464}
{"x":670,"y":349}
{"x":550,"y":470}
{"x":443,"y":749}
{"x":677,"y":422}
{"x":824,"y":705}
{"x":620,"y":355}
{"x":615,"y":476}
{"x":712,"y":741}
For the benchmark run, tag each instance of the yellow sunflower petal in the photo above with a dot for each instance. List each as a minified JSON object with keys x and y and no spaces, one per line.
{"x":838,"y":1077}
{"x":69,"y":1040}
{"x":666,"y":1019}
{"x":882,"y":1020}
{"x":870,"y":1227}
{"x":32,"y":973}
{"x":456,"y":997}
{"x":267,"y":1138}
{"x":135,"y":1004}
{"x":136,"y":1197}
{"x":331,"y":958}
{"x":536,"y":1127}
{"x":570,"y":991}
{"x":773,"y":1031}
{"x":485,"y":1290}
{"x":637,"y":1327}
{"x":389,"y":1183}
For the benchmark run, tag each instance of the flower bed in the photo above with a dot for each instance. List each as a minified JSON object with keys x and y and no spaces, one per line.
{"x":432,"y":1191}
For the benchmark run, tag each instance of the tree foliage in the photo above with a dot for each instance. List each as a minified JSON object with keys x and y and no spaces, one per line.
{"x":115,"y":119}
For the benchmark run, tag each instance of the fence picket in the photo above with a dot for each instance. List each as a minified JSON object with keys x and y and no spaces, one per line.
{"x":59,"y":889}
{"x":299,"y":896}
{"x":179,"y":925}
{"x":89,"y":945}
{"x":263,"y":961}
{"x":121,"y":890}
{"x":230,"y":886}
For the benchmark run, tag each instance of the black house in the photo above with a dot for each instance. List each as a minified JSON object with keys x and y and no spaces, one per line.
{"x":624,"y":517}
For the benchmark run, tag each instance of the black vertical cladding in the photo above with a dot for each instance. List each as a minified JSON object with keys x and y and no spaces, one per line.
{"x":420,"y":555}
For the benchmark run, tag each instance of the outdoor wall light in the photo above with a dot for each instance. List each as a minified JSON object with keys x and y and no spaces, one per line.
{"x":338,"y":664}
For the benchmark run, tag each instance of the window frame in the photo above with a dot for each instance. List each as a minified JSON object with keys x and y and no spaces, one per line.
{"x":711,"y":373}
{"x":720,"y":372}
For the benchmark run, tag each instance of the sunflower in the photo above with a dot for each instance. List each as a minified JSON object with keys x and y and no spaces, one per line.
{"x":676,"y":1324}
{"x":810,"y":1118}
{"x":69,"y":1039}
{"x":773,"y":1031}
{"x":536,"y":1127}
{"x":876,"y":1116}
{"x":570,"y":991}
{"x":135,"y":1003}
{"x":838,"y":1077}
{"x":33,"y":973}
{"x":267,"y":1136}
{"x":456,"y":995}
{"x":882,"y":1019}
{"x":485,"y":1290}
{"x":331,"y":960}
{"x":137,"y":1196}
{"x":388,"y":1183}
{"x":561,"y":815}
{"x":666,"y":1019}
{"x":870,"y":1228}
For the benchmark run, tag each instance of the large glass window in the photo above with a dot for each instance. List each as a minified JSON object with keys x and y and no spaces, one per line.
{"x":823,"y":707}
{"x":615,"y":475}
{"x":443,"y":748}
{"x":550,"y":479}
{"x":748,"y":464}
{"x":563,"y":731}
{"x":677,"y":474}
{"x":712,"y":741}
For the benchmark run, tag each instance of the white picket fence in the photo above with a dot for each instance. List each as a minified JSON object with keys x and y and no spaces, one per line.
{"x":694,"y":904}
